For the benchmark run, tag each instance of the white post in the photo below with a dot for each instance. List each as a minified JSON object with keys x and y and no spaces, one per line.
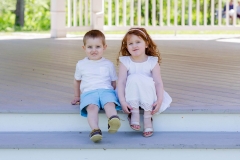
{"x":98,"y":15}
{"x":58,"y":26}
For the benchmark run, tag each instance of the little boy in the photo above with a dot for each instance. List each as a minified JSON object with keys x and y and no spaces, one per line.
{"x":95,"y":79}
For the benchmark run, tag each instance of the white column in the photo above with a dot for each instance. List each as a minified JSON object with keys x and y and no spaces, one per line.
{"x":98,"y":14}
{"x":58,"y":26}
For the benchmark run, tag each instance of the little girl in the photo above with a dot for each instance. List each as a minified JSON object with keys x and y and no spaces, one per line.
{"x":140,"y":82}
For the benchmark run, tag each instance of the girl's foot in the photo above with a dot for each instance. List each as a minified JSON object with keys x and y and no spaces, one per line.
{"x":134,"y":118}
{"x":148,"y":128}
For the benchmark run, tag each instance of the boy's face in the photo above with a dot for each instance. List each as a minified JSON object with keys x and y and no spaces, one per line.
{"x":94,"y":48}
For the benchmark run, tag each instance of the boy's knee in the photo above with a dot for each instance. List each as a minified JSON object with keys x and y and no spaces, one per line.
{"x":92,"y":107}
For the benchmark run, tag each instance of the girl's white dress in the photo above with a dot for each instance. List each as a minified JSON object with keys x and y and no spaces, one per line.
{"x":140,"y":88}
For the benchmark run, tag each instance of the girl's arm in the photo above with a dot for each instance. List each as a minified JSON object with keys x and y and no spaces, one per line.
{"x":156,"y":73}
{"x":122,"y":78}
{"x":77,"y":92}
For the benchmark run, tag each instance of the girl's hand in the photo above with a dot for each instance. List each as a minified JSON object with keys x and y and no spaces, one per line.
{"x":75,"y":101}
{"x":156,"y":107}
{"x":126,"y":107}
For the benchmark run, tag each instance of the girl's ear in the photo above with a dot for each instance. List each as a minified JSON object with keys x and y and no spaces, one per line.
{"x":84,"y":48}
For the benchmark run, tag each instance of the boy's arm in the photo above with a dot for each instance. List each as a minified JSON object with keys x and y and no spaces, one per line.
{"x":114,"y":84}
{"x":77,"y":92}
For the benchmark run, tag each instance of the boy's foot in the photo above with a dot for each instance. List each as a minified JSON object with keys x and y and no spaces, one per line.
{"x":113,"y":124}
{"x":96,"y":135}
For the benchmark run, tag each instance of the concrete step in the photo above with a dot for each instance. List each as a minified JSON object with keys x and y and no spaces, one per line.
{"x":203,"y":120}
{"x":122,"y":145}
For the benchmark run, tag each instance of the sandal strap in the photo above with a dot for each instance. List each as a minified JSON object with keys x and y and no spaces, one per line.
{"x":148,"y":130}
{"x":114,"y":116}
{"x":94,"y":132}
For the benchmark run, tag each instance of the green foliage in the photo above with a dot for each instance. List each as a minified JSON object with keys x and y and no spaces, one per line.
{"x":37,"y":15}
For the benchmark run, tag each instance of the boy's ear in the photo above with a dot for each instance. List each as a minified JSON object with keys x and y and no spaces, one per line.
{"x":105,"y":47}
{"x":83,"y":47}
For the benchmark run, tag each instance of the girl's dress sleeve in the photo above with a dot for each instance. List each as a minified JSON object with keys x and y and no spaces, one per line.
{"x":125,"y":60}
{"x":153,"y":61}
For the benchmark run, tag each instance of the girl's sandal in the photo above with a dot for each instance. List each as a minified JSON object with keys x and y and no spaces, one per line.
{"x":132,"y":124}
{"x":113,"y":124}
{"x":148,"y":132}
{"x":96,"y":135}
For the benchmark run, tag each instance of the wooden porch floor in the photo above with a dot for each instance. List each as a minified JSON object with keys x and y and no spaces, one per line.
{"x":36,"y":76}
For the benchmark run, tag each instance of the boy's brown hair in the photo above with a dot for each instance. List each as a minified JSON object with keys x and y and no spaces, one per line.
{"x":94,"y":34}
{"x":151,"y":50}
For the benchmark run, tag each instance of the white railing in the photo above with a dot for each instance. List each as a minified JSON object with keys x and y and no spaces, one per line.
{"x":112,"y":15}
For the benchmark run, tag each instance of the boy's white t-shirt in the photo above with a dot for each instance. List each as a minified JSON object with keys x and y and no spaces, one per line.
{"x":95,"y":74}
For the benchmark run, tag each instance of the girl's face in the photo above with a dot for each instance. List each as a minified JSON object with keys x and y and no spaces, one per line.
{"x":136,"y":45}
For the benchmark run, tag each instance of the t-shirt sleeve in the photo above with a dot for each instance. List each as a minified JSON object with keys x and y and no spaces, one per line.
{"x":153,"y":61}
{"x":125,"y":61}
{"x":113,"y":73}
{"x":78,"y":75}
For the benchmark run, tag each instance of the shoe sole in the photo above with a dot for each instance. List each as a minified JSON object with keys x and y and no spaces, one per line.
{"x":96,"y":138}
{"x":114,"y":124}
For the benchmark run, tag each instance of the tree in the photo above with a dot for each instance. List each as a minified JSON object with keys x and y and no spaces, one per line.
{"x":19,"y":20}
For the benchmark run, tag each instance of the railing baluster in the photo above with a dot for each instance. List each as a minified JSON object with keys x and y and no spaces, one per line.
{"x":74,"y":13}
{"x":198,"y":10}
{"x":212,"y":12}
{"x":131,"y":12}
{"x":183,"y":12}
{"x":235,"y":15}
{"x":109,"y":12}
{"x":80,"y":13}
{"x":90,"y":12}
{"x":139,"y":12}
{"x":161,"y":13}
{"x":168,"y":12}
{"x":69,"y":13}
{"x":175,"y":12}
{"x":219,"y":12}
{"x":124,"y":12}
{"x":146,"y":12}
{"x":205,"y":12}
{"x":86,"y":12}
{"x":153,"y":12}
{"x":190,"y":13}
{"x":117,"y":13}
{"x":227,"y":13}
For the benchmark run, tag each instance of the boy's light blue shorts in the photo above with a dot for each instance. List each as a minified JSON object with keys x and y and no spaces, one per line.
{"x":98,"y":97}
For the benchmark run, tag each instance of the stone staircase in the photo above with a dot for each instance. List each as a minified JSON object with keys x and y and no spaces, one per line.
{"x":180,"y":133}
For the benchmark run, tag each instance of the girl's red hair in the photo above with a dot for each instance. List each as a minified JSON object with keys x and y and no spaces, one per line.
{"x":151,"y":49}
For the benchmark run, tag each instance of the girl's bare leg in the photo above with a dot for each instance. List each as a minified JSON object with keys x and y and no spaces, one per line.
{"x":135,"y":118}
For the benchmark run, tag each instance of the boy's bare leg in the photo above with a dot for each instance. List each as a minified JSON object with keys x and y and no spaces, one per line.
{"x":114,"y":121}
{"x":110,"y":109}
{"x":92,"y":117}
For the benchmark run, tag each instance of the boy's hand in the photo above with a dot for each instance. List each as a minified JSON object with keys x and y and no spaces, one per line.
{"x":75,"y":101}
{"x":126,"y":107}
{"x":156,"y":107}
